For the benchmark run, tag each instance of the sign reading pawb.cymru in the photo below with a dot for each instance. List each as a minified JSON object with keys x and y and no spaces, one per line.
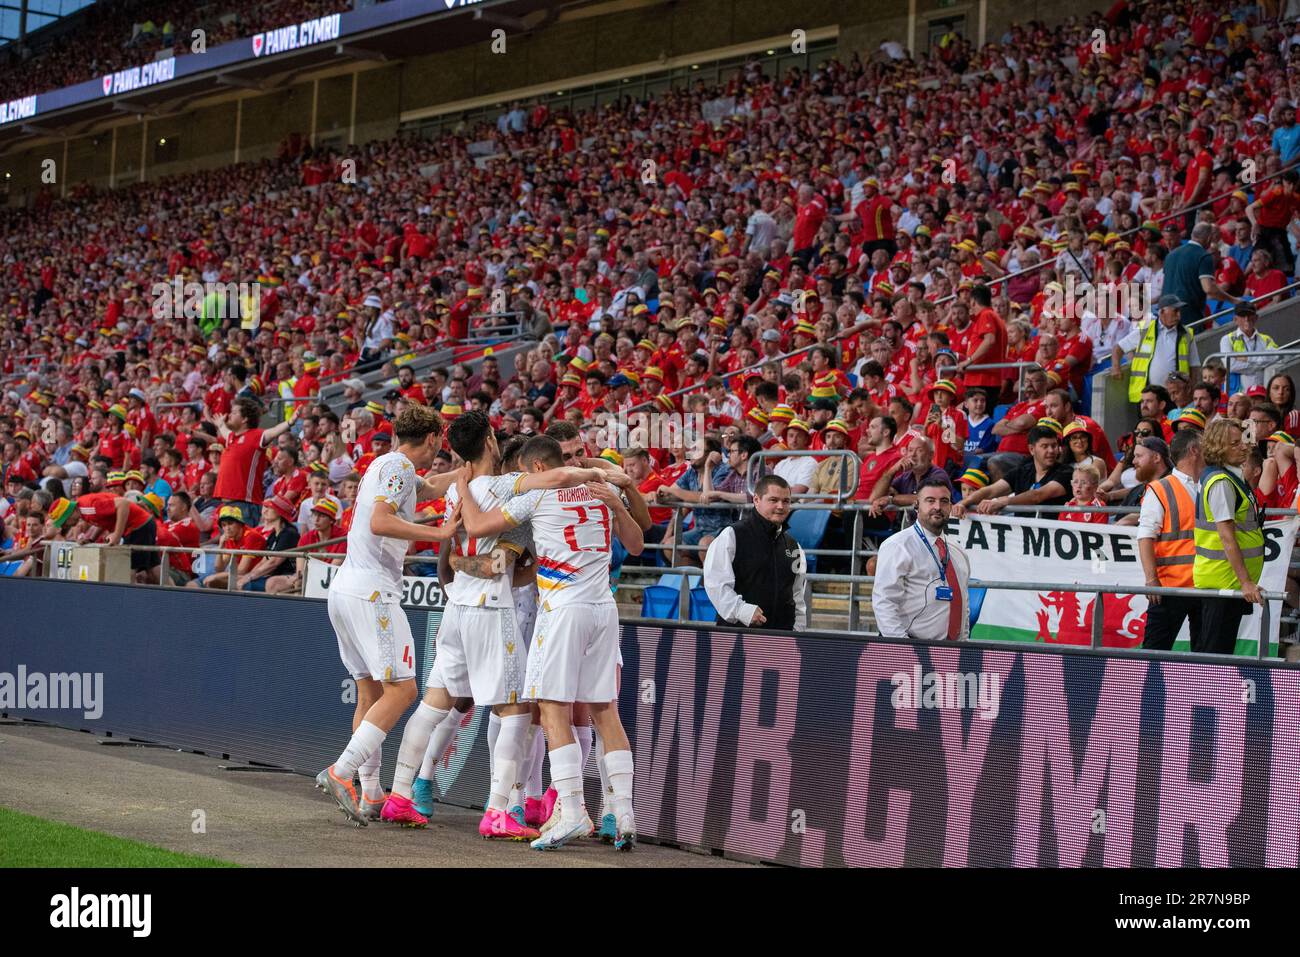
{"x":1048,"y":550}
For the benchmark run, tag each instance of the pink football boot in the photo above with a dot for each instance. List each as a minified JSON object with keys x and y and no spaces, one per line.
{"x":400,"y":810}
{"x":499,"y":824}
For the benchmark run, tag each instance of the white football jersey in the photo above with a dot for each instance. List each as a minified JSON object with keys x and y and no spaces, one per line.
{"x":489,"y":491}
{"x":572,"y":532}
{"x":374,"y":563}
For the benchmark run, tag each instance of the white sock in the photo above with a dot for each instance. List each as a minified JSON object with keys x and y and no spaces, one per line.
{"x":583,"y":737}
{"x":505,"y":767}
{"x":618,"y":764}
{"x":438,"y":742}
{"x":366,"y":740}
{"x":566,"y":776}
{"x":415,"y":742}
{"x":494,"y":729}
{"x":527,"y":757}
{"x":604,"y":775}
{"x":534,"y":786}
{"x":369,"y":774}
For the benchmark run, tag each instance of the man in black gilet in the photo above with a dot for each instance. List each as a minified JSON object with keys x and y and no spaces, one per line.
{"x":754,"y":570}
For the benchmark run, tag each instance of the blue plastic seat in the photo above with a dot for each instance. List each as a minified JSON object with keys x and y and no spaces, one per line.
{"x":1000,"y":412}
{"x":674,"y":581}
{"x":701,"y":607}
{"x":658,"y":601}
{"x":976,"y":603}
{"x":807,"y":527}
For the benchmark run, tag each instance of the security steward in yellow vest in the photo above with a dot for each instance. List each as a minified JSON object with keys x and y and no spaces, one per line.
{"x":1166,"y":546}
{"x":1229,"y":537}
{"x":1154,"y":337}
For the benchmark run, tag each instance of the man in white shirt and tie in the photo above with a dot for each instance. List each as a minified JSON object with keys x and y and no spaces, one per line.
{"x":921,"y":588}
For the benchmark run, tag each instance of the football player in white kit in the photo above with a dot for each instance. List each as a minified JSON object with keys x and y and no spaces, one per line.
{"x":373,"y":634}
{"x":479,"y":651}
{"x":575,"y":645}
{"x":525,"y":592}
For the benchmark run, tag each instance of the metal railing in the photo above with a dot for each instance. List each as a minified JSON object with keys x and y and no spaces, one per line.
{"x":1267,"y":355}
{"x":859,"y":551}
{"x":1205,"y":322}
{"x":1097,"y":622}
{"x":231,"y":569}
{"x":757,"y":468}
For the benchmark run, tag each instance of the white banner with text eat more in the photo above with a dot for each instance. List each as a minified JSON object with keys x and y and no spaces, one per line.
{"x":1060,"y":554}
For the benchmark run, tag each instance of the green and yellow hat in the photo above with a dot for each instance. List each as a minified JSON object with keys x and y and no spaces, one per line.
{"x":62,"y":510}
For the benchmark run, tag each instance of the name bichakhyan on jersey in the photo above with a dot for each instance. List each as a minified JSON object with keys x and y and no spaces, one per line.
{"x":77,"y":910}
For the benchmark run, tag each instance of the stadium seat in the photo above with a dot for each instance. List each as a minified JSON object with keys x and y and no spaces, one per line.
{"x":701,"y":607}
{"x":999,"y":412}
{"x":807,"y":527}
{"x":659,"y":602}
{"x":674,"y":581}
{"x":976,"y":603}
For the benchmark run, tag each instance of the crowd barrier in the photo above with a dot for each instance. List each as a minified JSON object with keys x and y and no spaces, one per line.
{"x":802,"y":749}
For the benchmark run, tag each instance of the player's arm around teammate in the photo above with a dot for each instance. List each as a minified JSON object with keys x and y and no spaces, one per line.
{"x":635,"y":500}
{"x":436,"y":487}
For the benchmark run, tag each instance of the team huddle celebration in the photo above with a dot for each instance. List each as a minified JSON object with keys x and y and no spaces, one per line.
{"x":767,"y":346}
{"x":530,"y":630}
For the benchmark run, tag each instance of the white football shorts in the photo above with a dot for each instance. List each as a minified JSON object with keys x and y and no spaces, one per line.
{"x":526,"y":611}
{"x":479,"y":654}
{"x":575,"y":654}
{"x":374,"y":636}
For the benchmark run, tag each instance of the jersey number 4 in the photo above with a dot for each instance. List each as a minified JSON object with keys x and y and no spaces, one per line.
{"x":584,"y":536}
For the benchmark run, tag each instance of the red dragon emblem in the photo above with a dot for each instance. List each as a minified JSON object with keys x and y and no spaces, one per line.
{"x":1121,"y":626}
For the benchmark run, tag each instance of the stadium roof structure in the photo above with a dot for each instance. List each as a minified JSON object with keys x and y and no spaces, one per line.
{"x":266,"y":61}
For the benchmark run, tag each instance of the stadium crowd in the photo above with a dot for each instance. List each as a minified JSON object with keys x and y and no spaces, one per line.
{"x":914,"y":230}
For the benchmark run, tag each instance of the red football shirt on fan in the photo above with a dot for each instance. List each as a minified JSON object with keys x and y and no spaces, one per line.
{"x":807,"y":221}
{"x":1276,"y":206}
{"x":1088,"y":518}
{"x":874,"y":465}
{"x":186,"y":534}
{"x":100,"y":510}
{"x":252,"y":539}
{"x":1020,"y":441}
{"x":1078,"y":347}
{"x":239,"y":478}
{"x":987,"y":321}
{"x":1258,"y":286}
{"x":1201,"y":161}
{"x":113,"y":448}
{"x":647,"y":488}
{"x":291,"y":486}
